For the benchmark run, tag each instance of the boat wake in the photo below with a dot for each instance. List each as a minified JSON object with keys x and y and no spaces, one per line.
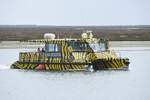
{"x":4,"y":67}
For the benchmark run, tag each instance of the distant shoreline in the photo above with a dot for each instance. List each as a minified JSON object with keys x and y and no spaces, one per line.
{"x":113,"y":33}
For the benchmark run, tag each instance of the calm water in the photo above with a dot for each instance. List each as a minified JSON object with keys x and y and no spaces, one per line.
{"x":103,"y":85}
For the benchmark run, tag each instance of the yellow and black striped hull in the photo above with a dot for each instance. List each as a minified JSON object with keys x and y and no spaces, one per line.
{"x":115,"y":64}
{"x":99,"y":64}
{"x":50,"y":66}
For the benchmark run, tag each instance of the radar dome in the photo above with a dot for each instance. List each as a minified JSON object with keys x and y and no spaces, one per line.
{"x":84,"y":35}
{"x":49,"y":36}
{"x":87,"y":35}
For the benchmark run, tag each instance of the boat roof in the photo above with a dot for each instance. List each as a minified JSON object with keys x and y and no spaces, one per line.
{"x":81,"y":40}
{"x":55,"y":40}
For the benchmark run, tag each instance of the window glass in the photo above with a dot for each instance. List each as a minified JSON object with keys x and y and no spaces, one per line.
{"x":97,"y":47}
{"x":52,"y":47}
{"x":77,"y":45}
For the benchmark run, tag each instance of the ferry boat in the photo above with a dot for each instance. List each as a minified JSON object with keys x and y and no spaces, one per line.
{"x":84,"y":54}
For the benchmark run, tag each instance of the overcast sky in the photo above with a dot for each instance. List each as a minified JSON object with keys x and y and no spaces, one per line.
{"x":75,"y":12}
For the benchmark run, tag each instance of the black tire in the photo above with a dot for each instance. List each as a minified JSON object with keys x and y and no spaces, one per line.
{"x":98,"y":64}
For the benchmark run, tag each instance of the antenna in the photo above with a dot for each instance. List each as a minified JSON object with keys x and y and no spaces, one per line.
{"x":58,"y":36}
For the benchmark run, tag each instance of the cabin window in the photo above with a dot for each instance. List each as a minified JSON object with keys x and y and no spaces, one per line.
{"x":98,"y":47}
{"x":52,"y":47}
{"x":77,"y":45}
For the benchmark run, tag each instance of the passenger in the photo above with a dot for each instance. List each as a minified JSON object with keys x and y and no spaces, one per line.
{"x":43,"y":50}
{"x":38,"y":54}
{"x":38,"y":50}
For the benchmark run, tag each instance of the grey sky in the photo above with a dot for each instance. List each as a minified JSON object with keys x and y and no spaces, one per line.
{"x":75,"y":12}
